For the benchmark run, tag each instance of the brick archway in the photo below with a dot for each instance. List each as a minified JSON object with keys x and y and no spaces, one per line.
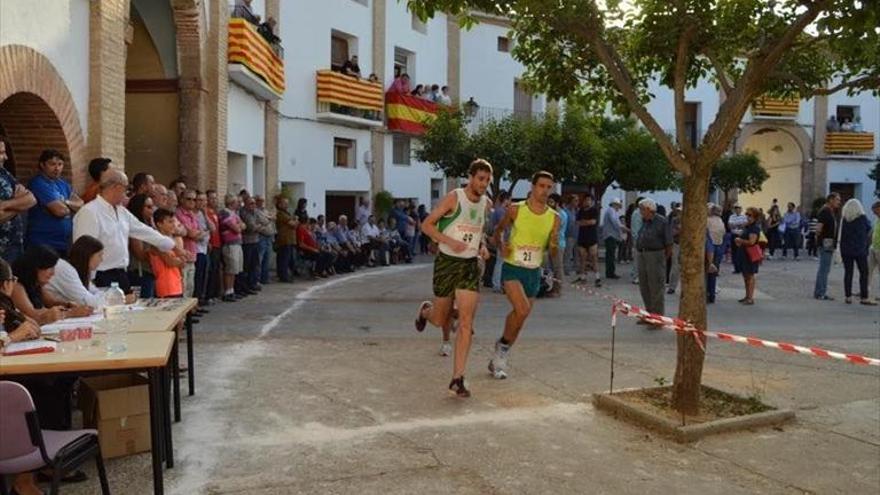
{"x":31,"y":79}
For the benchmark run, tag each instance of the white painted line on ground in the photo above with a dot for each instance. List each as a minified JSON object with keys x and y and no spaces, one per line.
{"x":301,"y":298}
{"x":316,"y":434}
{"x":203,"y":426}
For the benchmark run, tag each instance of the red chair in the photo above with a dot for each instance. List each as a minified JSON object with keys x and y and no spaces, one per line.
{"x":25,"y":447}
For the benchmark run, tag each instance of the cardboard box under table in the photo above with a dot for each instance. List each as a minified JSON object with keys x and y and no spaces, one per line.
{"x":118,"y":406}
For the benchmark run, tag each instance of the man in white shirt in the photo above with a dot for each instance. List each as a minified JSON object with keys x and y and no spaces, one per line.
{"x":378,"y":244}
{"x":106,"y":220}
{"x":363,"y":212}
{"x":736,"y":223}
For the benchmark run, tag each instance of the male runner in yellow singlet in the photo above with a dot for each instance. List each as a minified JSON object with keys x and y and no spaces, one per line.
{"x":457,"y":224}
{"x":534,"y":228}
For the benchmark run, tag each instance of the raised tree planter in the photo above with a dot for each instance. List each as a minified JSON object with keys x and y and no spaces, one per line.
{"x":720,"y":412}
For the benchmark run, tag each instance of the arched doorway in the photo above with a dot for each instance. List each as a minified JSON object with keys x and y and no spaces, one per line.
{"x":31,"y":126}
{"x":784,"y":157}
{"x":152,"y":104}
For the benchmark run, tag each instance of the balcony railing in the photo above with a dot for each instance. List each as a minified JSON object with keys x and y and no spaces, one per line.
{"x":764,"y":106}
{"x":849,"y":143}
{"x":252,"y":61}
{"x":409,"y":114}
{"x":347,"y":99}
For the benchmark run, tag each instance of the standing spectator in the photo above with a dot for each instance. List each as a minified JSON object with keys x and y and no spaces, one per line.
{"x":351,"y":67}
{"x":498,"y":213}
{"x":105,"y":220}
{"x":177,"y":187}
{"x":424,"y":240}
{"x":412,"y":228}
{"x":140,"y":273}
{"x":570,"y":261}
{"x":187,"y":215}
{"x":142,"y":183}
{"x":215,"y":248}
{"x":715,"y":232}
{"x":556,"y":262}
{"x":400,"y":85}
{"x":15,"y":200}
{"x":445,"y":99}
{"x":736,"y":223}
{"x":97,"y":167}
{"x":775,"y":230}
{"x":812,"y":244}
{"x":170,"y":281}
{"x":653,"y":246}
{"x":826,"y":242}
{"x":50,"y":223}
{"x":159,"y":193}
{"x":612,"y":234}
{"x":747,"y":237}
{"x":434,"y":95}
{"x":267,"y":237}
{"x":674,"y":260}
{"x":588,"y":240}
{"x":874,"y":252}
{"x":635,"y":229}
{"x":362,"y":212}
{"x":250,"y":245}
{"x":792,"y":230}
{"x":231,"y":228}
{"x":402,"y":219}
{"x":855,"y":232}
{"x":203,"y":262}
{"x":300,"y":211}
{"x":285,"y":241}
{"x":244,"y":11}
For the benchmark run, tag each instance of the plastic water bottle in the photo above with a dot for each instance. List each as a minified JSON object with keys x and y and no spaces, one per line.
{"x":115,"y":319}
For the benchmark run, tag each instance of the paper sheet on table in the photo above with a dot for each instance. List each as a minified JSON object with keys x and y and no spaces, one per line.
{"x":29,"y":347}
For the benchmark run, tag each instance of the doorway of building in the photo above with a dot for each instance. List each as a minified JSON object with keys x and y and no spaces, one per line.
{"x":846,"y":191}
{"x":340,"y":204}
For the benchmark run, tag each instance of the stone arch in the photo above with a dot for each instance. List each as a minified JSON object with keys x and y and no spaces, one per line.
{"x":799,"y":136}
{"x":30,"y":78}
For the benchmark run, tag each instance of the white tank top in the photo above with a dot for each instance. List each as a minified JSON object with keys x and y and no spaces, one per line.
{"x":465,"y":224}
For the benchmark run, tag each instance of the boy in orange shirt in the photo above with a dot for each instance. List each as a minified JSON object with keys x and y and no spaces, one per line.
{"x":166,"y":266}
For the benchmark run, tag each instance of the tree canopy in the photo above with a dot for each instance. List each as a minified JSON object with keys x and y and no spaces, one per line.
{"x":741,"y":171}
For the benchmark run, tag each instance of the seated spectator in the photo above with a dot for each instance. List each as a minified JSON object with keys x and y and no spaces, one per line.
{"x":15,"y":201}
{"x":97,"y":167}
{"x":50,"y":223}
{"x":846,"y":126}
{"x":244,"y":11}
{"x":398,"y":246}
{"x":309,"y":249}
{"x":445,"y":99}
{"x":72,"y":280}
{"x":342,"y":260}
{"x":34,"y":269}
{"x":400,"y":85}
{"x":857,"y":125}
{"x":167,"y":266}
{"x":377,"y":243}
{"x":351,"y":67}
{"x":139,"y":271}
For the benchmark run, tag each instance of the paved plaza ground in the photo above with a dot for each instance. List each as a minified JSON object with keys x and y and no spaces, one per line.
{"x":324,"y":387}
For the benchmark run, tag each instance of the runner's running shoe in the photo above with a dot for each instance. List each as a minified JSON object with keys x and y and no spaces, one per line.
{"x":498,"y":363}
{"x":446,"y":348}
{"x":420,"y":320}
{"x":456,"y":386}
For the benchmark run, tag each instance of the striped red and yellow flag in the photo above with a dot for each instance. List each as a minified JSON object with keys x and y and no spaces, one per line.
{"x":348,"y":91}
{"x":409,"y":114}
{"x":249,"y":48}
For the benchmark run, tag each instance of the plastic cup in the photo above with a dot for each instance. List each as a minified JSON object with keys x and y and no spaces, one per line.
{"x":84,"y":337}
{"x":68,"y":337}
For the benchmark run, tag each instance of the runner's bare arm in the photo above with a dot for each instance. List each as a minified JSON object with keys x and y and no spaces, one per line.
{"x":429,"y":226}
{"x":501,"y":227}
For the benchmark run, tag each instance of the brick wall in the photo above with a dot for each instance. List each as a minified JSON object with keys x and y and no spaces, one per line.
{"x":108,"y":23}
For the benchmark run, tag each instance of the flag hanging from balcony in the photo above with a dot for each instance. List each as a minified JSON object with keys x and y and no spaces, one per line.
{"x":409,"y":114}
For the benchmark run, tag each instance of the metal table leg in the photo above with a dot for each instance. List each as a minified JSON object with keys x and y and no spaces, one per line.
{"x":175,"y":374}
{"x":191,"y":374}
{"x":166,"y":416}
{"x":156,"y":428}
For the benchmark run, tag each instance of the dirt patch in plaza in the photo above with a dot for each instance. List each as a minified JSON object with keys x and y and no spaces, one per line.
{"x":714,"y":404}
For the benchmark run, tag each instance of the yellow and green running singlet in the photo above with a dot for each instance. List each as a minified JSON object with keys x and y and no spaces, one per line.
{"x":529,"y":236}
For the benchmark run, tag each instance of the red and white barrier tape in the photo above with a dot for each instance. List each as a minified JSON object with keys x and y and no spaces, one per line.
{"x":679,"y":326}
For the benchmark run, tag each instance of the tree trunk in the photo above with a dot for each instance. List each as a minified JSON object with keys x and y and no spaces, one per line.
{"x":689,"y":365}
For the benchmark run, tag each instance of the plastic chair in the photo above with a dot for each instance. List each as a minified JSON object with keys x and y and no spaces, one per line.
{"x":25,"y":447}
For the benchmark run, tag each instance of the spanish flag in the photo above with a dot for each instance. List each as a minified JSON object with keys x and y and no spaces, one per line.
{"x":409,"y":114}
